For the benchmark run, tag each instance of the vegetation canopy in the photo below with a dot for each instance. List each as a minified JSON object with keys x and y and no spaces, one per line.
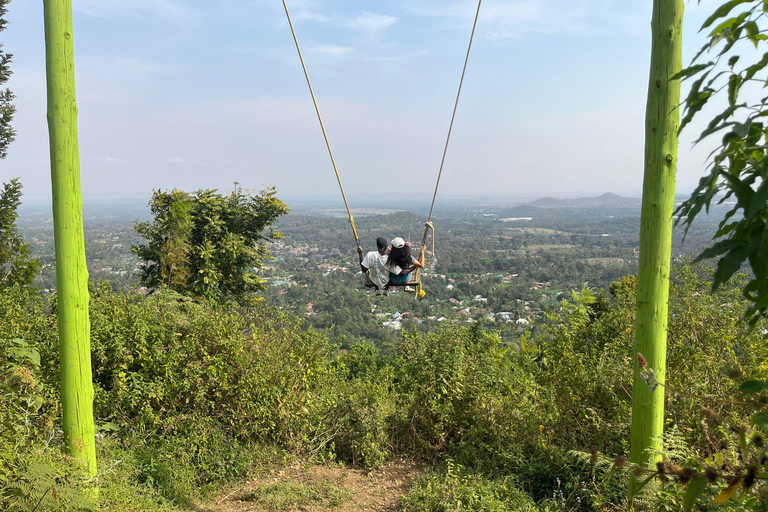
{"x":16,"y":265}
{"x":7,"y":109}
{"x":207,"y":244}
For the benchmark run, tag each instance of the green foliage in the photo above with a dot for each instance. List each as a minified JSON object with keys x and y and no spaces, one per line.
{"x":738,"y":169}
{"x":206,"y":244}
{"x":190,"y":394}
{"x":31,"y":476}
{"x":16,"y":265}
{"x":361,"y":406}
{"x":7,"y":109}
{"x":457,"y":489}
{"x":461,"y":391}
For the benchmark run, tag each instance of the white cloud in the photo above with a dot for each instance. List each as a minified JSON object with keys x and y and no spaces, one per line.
{"x":514,"y":18}
{"x":176,"y":160}
{"x":312,"y":16}
{"x":331,"y":50}
{"x":104,"y":159}
{"x":370,"y":22}
{"x":172,"y":10}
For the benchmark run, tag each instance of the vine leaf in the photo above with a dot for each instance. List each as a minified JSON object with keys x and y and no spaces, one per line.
{"x":693,"y":493}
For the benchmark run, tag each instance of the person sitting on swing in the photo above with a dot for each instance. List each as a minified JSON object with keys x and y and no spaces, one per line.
{"x":401,"y":264}
{"x":374,"y":265}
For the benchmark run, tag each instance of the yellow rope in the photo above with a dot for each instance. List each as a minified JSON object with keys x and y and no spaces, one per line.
{"x":420,"y":292}
{"x":450,"y":128}
{"x":322,"y":126}
{"x":445,"y":148}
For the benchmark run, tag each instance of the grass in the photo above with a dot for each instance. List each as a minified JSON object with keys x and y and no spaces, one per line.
{"x":292,"y":495}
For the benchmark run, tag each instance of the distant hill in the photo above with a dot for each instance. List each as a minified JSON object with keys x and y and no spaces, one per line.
{"x":607,"y":200}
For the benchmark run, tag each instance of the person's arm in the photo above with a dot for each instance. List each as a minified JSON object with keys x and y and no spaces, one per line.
{"x":420,"y":262}
{"x":360,"y":253}
{"x":415,"y":263}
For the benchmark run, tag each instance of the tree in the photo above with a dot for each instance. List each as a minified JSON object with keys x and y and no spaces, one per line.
{"x":7,"y":109}
{"x":71,"y":270}
{"x":16,"y":266}
{"x":207,"y":244}
{"x":662,"y":121}
{"x":738,"y":167}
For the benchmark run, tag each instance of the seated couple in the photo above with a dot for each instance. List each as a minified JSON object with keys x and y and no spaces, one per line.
{"x":383,"y":270}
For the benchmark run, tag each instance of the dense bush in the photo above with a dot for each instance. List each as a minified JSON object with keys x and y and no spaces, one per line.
{"x":189,"y":394}
{"x":462,"y":392}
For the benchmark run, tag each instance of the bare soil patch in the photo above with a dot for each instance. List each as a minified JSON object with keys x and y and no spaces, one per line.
{"x":320,"y":487}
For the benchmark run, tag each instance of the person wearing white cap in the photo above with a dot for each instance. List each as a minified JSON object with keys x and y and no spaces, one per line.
{"x":401,"y":264}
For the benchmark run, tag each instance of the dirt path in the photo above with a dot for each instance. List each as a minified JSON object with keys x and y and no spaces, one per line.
{"x":317,"y":488}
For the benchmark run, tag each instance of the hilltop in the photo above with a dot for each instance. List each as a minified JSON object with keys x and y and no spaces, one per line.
{"x":608,"y":199}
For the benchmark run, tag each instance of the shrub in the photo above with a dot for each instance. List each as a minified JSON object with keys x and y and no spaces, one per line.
{"x":461,"y":392}
{"x":457,"y":489}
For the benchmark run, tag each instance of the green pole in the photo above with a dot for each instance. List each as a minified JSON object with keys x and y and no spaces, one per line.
{"x":662,"y":122}
{"x":71,"y":272}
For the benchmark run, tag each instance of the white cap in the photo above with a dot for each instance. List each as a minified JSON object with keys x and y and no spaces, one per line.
{"x":398,"y":242}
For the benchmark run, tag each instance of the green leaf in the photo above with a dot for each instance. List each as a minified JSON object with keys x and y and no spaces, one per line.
{"x":751,"y":387}
{"x":693,"y":493}
{"x":641,"y":486}
{"x":731,"y":22}
{"x":754,"y":68}
{"x":109,"y":427}
{"x":719,"y":248}
{"x":729,"y":265}
{"x":722,"y":11}
{"x":734,"y":86}
{"x":692,"y":70}
{"x":692,"y":107}
{"x":753,"y":32}
{"x":761,"y":420}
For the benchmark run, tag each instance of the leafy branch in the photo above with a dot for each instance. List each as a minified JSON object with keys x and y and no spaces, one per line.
{"x":739,"y":165}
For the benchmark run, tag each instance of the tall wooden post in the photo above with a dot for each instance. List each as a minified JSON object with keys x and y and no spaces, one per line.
{"x":662,"y":122}
{"x":71,"y":272}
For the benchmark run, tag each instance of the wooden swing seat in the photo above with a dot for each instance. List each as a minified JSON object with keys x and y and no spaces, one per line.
{"x":412,"y":281}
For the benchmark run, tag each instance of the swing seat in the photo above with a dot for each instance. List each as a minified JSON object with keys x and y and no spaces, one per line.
{"x":413,"y":280}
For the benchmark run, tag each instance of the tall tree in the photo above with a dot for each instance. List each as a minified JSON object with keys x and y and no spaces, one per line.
{"x":71,"y":272}
{"x":7,"y":109}
{"x":661,"y":127}
{"x":207,"y":244}
{"x":16,"y":266}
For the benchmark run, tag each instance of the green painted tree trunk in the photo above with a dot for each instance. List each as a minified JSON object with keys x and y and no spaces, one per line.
{"x":71,"y":272}
{"x":662,"y":122}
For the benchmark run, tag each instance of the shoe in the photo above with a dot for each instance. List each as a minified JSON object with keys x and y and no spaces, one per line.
{"x":385,"y":292}
{"x":378,"y":292}
{"x":409,"y":289}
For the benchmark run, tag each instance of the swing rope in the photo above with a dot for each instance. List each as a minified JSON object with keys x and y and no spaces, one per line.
{"x":322,"y":126}
{"x":450,"y":129}
{"x":428,"y":224}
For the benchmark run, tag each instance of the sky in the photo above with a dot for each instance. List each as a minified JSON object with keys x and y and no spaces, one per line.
{"x":204,"y":93}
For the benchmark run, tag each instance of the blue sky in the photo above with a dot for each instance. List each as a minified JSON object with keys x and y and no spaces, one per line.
{"x":193,"y":94}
